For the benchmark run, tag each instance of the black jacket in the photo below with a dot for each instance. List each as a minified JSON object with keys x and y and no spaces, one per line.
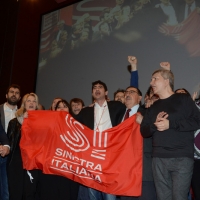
{"x":116,"y":111}
{"x":3,"y":137}
{"x":14,"y":135}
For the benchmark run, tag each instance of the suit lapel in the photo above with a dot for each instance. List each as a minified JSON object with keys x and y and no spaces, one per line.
{"x":2,"y":116}
{"x":91,"y":118}
{"x":111,"y":113}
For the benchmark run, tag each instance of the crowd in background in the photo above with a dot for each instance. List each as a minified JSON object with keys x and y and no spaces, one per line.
{"x":85,"y":30}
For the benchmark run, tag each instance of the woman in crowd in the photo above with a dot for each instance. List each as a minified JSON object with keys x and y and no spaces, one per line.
{"x":150,"y":97}
{"x":57,"y":187}
{"x":19,"y":182}
{"x":68,"y":189}
{"x":55,"y":101}
{"x":182,"y":90}
{"x":63,"y":105}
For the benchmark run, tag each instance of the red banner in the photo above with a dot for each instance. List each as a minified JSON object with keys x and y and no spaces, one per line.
{"x":109,"y":161}
{"x":186,"y":33}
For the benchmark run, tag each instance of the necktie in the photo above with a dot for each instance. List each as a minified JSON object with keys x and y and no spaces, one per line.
{"x":127,"y":114}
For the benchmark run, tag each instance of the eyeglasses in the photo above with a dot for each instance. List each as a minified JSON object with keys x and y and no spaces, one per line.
{"x":131,"y":92}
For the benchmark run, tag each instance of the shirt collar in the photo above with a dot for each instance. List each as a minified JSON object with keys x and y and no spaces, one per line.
{"x":103,"y":106}
{"x":134,"y":110}
{"x":7,"y":108}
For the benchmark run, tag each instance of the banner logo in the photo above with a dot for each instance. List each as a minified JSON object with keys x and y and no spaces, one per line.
{"x":75,"y":139}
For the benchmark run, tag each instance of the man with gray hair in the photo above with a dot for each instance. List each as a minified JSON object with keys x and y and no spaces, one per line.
{"x":171,"y":121}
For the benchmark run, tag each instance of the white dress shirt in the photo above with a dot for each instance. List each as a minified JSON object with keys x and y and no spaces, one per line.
{"x":101,"y":117}
{"x":9,"y":114}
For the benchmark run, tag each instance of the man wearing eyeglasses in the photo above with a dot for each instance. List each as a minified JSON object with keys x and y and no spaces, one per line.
{"x":133,"y":98}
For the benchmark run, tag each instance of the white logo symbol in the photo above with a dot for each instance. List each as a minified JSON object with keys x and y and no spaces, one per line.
{"x":75,"y":139}
{"x":99,"y":140}
{"x":99,"y":154}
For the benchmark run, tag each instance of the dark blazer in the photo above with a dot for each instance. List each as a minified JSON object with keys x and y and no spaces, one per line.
{"x":116,"y":110}
{"x":14,"y":135}
{"x":3,"y":137}
{"x":2,"y":116}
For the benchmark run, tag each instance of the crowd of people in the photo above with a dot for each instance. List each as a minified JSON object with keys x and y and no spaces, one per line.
{"x":85,"y":30}
{"x":169,"y":120}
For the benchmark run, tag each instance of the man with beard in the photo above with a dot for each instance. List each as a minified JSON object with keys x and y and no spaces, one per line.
{"x":7,"y":112}
{"x":101,"y":116}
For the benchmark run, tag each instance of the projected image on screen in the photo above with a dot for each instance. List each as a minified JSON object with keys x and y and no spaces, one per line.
{"x":91,"y":40}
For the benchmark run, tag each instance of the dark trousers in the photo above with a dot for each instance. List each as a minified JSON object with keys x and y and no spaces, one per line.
{"x":31,"y":182}
{"x":15,"y":174}
{"x":196,"y":180}
{"x":53,"y":187}
{"x":172,"y":177}
{"x":4,"y":195}
{"x":148,"y":192}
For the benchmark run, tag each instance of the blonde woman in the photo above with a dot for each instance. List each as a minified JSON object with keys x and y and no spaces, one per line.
{"x":17,"y":176}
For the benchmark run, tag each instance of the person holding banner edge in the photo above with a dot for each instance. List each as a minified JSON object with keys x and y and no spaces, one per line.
{"x":133,"y":98}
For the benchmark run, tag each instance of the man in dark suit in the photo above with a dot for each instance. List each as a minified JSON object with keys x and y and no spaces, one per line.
{"x":133,"y":97}
{"x":101,"y":116}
